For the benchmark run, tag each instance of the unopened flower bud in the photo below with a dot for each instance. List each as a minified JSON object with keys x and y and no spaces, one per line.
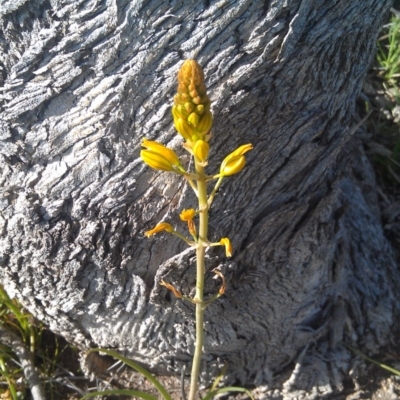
{"x":194,"y":119}
{"x":164,"y":151}
{"x":233,"y":166}
{"x":158,"y":156}
{"x":235,"y":161}
{"x":201,"y":149}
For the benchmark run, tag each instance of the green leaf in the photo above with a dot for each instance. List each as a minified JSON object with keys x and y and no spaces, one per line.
{"x":125,"y":392}
{"x":137,"y":368}
{"x":218,"y":378}
{"x":227,"y":389}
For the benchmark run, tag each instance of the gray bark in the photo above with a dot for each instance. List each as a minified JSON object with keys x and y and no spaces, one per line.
{"x":85,"y":81}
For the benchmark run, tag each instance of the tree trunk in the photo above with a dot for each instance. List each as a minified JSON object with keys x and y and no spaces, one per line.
{"x":85,"y":81}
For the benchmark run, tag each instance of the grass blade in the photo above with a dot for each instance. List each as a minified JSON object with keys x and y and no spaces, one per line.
{"x":137,"y":368}
{"x":227,"y":389}
{"x":384,"y":366}
{"x":126,"y":392}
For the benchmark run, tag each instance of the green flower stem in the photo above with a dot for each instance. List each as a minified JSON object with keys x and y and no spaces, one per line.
{"x":191,"y":183}
{"x":180,"y":236}
{"x":202,"y":243}
{"x":206,"y":303}
{"x":212,"y":195}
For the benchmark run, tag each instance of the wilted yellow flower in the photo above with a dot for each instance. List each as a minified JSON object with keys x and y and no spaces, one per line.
{"x":191,"y":110}
{"x":188,"y":214}
{"x":160,"y":227}
{"x":235,"y":161}
{"x":175,"y":291}
{"x":200,"y":150}
{"x":228,"y":246}
{"x":158,"y":156}
{"x":222,"y":289}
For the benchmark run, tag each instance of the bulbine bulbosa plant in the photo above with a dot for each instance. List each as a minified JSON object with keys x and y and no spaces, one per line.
{"x":193,"y":120}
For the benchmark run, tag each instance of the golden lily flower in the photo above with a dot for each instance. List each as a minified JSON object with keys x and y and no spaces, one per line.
{"x":200,"y":150}
{"x":157,"y":156}
{"x":160,"y":227}
{"x":235,"y":161}
{"x":191,"y":110}
{"x":228,"y":246}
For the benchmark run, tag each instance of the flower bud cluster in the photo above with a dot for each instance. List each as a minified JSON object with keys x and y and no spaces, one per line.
{"x":191,"y":110}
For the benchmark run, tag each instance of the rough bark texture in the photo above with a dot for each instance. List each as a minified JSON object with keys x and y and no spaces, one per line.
{"x":85,"y":81}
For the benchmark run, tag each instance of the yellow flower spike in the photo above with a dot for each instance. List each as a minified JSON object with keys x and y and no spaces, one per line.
{"x":176,"y":292}
{"x":163,"y":151}
{"x":235,"y":161}
{"x":228,"y":246}
{"x":160,"y":227}
{"x":200,"y":150}
{"x":191,"y":110}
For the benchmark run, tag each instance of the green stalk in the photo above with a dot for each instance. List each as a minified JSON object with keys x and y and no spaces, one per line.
{"x":200,"y":252}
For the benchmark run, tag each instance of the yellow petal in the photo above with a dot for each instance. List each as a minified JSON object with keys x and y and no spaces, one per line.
{"x":156,"y":161}
{"x":162,"y":226}
{"x":163,"y":151}
{"x":244,"y":148}
{"x":228,"y":246}
{"x":187,"y":215}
